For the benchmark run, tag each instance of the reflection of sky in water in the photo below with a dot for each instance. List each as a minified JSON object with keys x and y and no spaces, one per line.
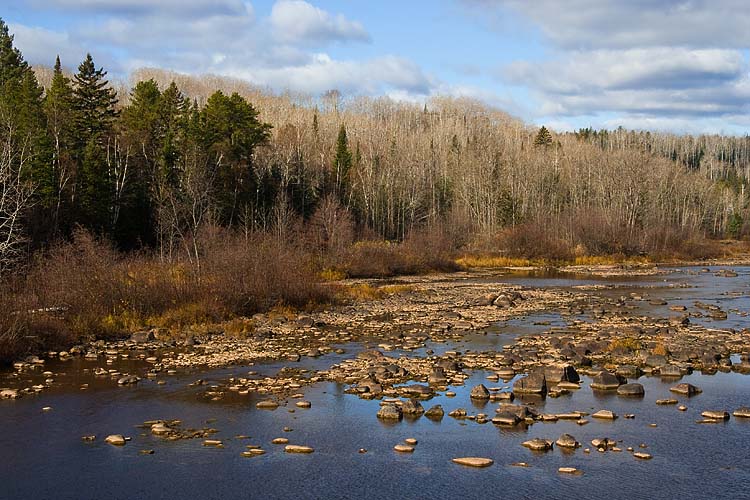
{"x":45,"y":458}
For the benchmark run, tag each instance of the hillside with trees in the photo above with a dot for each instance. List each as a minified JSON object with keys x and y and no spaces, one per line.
{"x":199,"y":198}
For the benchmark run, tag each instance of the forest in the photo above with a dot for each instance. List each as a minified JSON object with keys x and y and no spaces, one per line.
{"x":172,"y":200}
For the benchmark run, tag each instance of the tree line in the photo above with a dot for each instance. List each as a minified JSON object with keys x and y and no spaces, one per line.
{"x":154,"y":165}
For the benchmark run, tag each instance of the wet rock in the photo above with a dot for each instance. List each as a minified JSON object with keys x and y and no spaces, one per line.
{"x":604,"y":415}
{"x":479,"y":392}
{"x":666,"y":401}
{"x":631,"y":390}
{"x":279,"y":441}
{"x":686,"y":389}
{"x":557,"y":374}
{"x":473,"y":461}
{"x":435,"y":413}
{"x":390,"y":412}
{"x":295,"y":448}
{"x":567,"y":441}
{"x":642,"y":455}
{"x":212,"y":442}
{"x":606,"y":381}
{"x":570,"y":470}
{"x":629,"y":371}
{"x":534,"y":383}
{"x":670,"y":371}
{"x":303,"y":404}
{"x":115,"y":440}
{"x":656,"y":361}
{"x":403,"y":448}
{"x":743,"y":412}
{"x":412,"y":407}
{"x":538,"y":444}
{"x":715,"y":415}
{"x":267,"y":405}
{"x":603,"y":443}
{"x":160,"y":429}
{"x":9,"y":394}
{"x":458,"y":413}
{"x":128,"y":380}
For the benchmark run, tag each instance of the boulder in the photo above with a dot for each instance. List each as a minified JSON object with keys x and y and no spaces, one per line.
{"x":412,"y":407}
{"x":567,"y":441}
{"x":390,"y":412}
{"x":115,"y":440}
{"x":606,"y":381}
{"x":633,"y":389}
{"x":435,"y":413}
{"x":686,"y":389}
{"x":604,"y":415}
{"x":534,"y":383}
{"x":538,"y":444}
{"x":479,"y":392}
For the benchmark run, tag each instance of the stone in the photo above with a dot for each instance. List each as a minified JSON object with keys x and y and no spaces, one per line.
{"x":670,"y":371}
{"x":633,"y":389}
{"x":743,"y":412}
{"x":115,"y":440}
{"x":656,"y":361}
{"x":412,"y":407}
{"x":128,"y":380}
{"x":267,"y":405}
{"x":159,"y":429}
{"x":303,"y":404}
{"x":479,"y":392}
{"x":538,"y":444}
{"x":280,"y":441}
{"x":642,"y":455}
{"x":686,"y":389}
{"x":411,"y":441}
{"x":629,"y":371}
{"x":606,"y":381}
{"x":294,"y":448}
{"x":569,"y":470}
{"x":403,"y":448}
{"x":212,"y":442}
{"x":390,"y":412}
{"x":473,"y":461}
{"x":715,"y":415}
{"x":567,"y":441}
{"x":666,"y":401}
{"x":604,"y":415}
{"x":141,"y":337}
{"x":534,"y":383}
{"x":436,"y":412}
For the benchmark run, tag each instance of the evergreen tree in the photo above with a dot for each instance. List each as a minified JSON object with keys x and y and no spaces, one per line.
{"x":543,"y":137}
{"x":342,"y":164}
{"x":58,"y":107}
{"x":94,"y":102}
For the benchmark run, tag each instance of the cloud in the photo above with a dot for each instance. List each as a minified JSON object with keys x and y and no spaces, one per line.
{"x":299,"y":21}
{"x":591,"y":24}
{"x":179,"y":8}
{"x":322,"y":73}
{"x":40,"y":45}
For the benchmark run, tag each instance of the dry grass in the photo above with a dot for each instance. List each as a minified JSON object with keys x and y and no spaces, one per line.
{"x":628,"y":343}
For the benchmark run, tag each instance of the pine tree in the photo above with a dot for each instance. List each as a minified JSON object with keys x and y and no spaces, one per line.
{"x":543,"y":137}
{"x":342,"y":164}
{"x":94,"y":102}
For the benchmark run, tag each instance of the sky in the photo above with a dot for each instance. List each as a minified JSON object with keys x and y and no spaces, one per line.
{"x":676,"y":65}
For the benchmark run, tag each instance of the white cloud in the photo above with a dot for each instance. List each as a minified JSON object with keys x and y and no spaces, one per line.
{"x":298,"y":21}
{"x":179,"y":8}
{"x":40,"y":45}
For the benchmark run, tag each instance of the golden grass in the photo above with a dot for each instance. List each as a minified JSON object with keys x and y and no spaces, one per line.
{"x":476,"y":261}
{"x":628,"y":343}
{"x":470,"y":261}
{"x":365,"y":291}
{"x":331,"y":274}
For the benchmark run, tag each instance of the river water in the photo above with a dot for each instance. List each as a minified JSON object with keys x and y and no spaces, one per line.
{"x":43,"y":455}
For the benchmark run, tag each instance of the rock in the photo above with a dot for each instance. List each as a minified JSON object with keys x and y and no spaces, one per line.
{"x":9,"y":394}
{"x":569,"y":470}
{"x":633,"y":389}
{"x":534,"y":383}
{"x":403,"y":448}
{"x":412,"y":407}
{"x":473,"y":461}
{"x":538,"y":444}
{"x":303,"y":404}
{"x":666,"y":401}
{"x":686,"y":389}
{"x":606,"y":381}
{"x":128,"y":380}
{"x":603,"y":443}
{"x":715,"y":415}
{"x":458,"y":413}
{"x":411,"y":441}
{"x":146,"y":452}
{"x":115,"y":440}
{"x":294,"y":448}
{"x":279,"y":441}
{"x":670,"y":371}
{"x":390,"y":412}
{"x":567,"y":441}
{"x":604,"y":415}
{"x":629,"y":371}
{"x":212,"y":442}
{"x":479,"y":392}
{"x":436,"y":412}
{"x":564,"y":373}
{"x":506,"y":419}
{"x":159,"y":429}
{"x":267,"y":405}
{"x":141,"y":337}
{"x":656,"y":361}
{"x":642,"y":455}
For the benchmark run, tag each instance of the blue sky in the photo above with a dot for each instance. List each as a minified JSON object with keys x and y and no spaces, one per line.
{"x":678,"y":65}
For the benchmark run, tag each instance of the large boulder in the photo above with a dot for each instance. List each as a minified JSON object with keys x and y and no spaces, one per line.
{"x":534,"y":383}
{"x":631,"y":390}
{"x":686,"y":389}
{"x":390,"y":412}
{"x":607,"y":381}
{"x":412,"y":407}
{"x":479,"y":392}
{"x":564,"y":373}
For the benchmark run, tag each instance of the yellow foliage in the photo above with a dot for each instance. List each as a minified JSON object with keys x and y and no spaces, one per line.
{"x":628,"y":343}
{"x":365,"y":291}
{"x":470,"y":261}
{"x":660,"y":349}
{"x":331,"y":274}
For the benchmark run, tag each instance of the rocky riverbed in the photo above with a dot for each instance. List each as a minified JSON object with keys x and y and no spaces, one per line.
{"x":575,"y":363}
